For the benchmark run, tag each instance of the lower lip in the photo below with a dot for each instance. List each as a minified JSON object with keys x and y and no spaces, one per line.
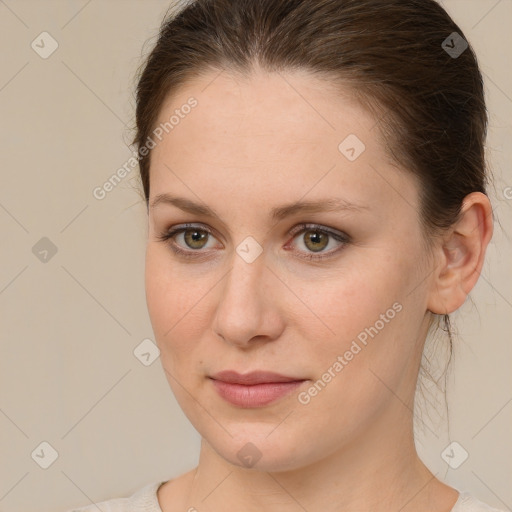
{"x":256,"y":395}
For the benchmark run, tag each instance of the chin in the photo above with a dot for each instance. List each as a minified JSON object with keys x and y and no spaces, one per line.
{"x":255,"y":449}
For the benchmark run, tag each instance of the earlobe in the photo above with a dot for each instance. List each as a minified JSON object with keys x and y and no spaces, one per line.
{"x":461,"y":255}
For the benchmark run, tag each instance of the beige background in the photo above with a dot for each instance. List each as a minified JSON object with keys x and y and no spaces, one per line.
{"x":69,"y":326}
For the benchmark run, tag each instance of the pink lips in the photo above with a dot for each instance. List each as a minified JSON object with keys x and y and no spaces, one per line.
{"x":254,"y":389}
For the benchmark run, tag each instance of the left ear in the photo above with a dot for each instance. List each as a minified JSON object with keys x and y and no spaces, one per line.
{"x":461,"y":255}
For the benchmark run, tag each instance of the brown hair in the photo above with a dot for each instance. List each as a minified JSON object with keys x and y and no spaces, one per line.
{"x":390,"y":50}
{"x":430,"y":103}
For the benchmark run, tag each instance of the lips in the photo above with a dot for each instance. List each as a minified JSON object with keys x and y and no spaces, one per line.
{"x":254,"y":389}
{"x":256,"y":377}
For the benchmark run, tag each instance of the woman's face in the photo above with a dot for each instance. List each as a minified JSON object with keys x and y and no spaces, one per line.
{"x":250,"y":292}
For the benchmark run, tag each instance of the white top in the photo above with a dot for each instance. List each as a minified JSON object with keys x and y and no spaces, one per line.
{"x":146,"y":500}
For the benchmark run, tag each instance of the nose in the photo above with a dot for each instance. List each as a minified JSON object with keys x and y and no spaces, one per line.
{"x":248,"y":310}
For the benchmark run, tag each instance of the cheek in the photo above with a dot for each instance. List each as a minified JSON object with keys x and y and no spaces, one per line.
{"x":372,"y":321}
{"x":159,"y":301}
{"x":354,"y":300}
{"x":176,"y":302}
{"x":164,"y":297}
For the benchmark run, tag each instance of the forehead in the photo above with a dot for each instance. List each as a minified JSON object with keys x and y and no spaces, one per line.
{"x":275,"y":109}
{"x":269,"y":135}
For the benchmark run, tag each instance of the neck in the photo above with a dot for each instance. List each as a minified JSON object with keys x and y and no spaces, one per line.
{"x":379,"y":471}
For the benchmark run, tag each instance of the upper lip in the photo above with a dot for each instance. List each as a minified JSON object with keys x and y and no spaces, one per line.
{"x":255,"y":377}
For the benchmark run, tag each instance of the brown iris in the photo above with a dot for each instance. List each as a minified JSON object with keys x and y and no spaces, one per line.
{"x":195,"y":236}
{"x":317,"y":239}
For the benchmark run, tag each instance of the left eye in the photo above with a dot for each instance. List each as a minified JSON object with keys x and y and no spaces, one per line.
{"x":314,"y":238}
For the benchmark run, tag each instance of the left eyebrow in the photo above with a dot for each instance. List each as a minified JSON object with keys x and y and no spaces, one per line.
{"x":334,"y":204}
{"x":276,"y":214}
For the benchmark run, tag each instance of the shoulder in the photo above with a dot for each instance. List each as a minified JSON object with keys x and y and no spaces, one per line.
{"x":468,"y":503}
{"x":143,"y":500}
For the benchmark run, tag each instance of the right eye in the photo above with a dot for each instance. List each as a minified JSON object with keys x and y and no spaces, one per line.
{"x":194,"y":239}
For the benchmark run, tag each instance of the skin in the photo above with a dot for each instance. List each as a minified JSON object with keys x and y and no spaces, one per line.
{"x":248,"y":146}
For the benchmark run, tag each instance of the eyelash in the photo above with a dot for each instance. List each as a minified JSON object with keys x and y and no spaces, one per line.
{"x":169,"y":235}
